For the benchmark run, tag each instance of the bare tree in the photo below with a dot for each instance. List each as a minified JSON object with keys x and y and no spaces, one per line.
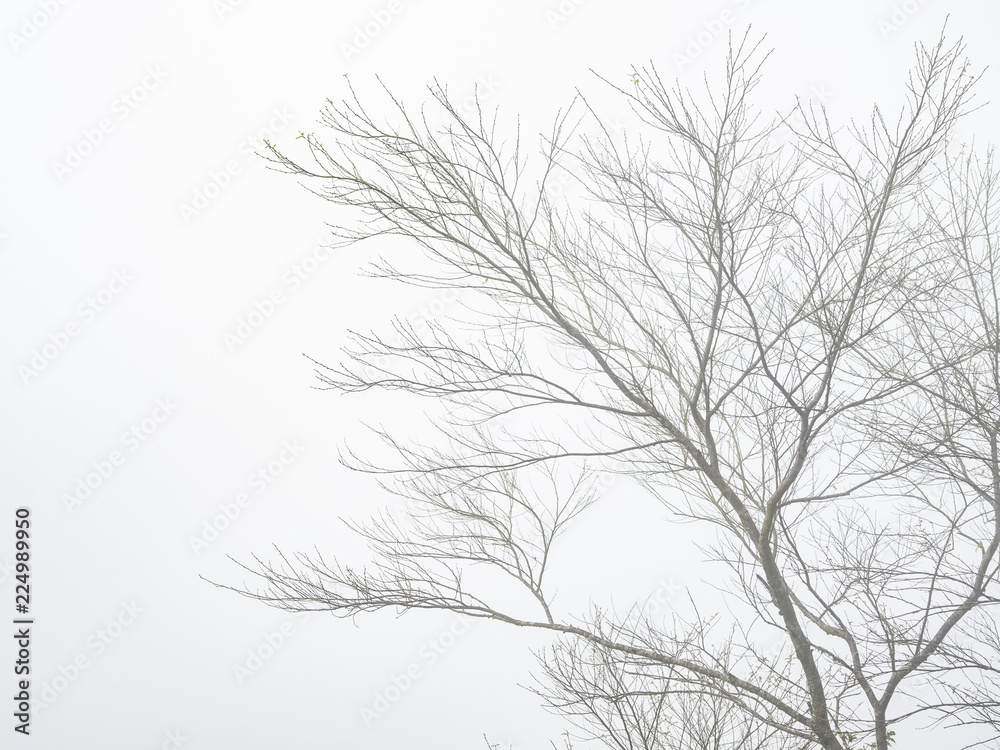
{"x":786,"y":332}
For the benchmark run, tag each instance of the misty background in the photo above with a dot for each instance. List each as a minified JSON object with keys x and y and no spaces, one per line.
{"x":159,"y":288}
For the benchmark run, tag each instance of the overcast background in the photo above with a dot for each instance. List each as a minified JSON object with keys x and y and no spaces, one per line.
{"x":135,"y":217}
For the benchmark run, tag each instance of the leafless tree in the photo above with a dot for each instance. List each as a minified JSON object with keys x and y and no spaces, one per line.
{"x":785,"y":331}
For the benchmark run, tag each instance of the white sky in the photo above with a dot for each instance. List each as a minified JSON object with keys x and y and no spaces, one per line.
{"x":175,"y":93}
